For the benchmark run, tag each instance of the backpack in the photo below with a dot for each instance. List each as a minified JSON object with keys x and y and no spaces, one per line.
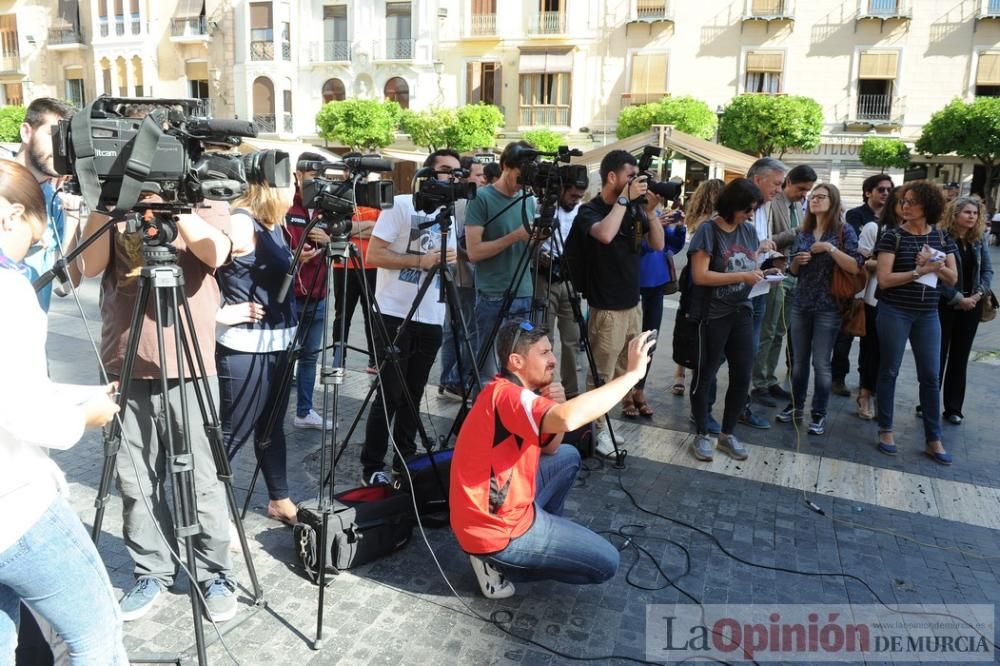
{"x":693,"y":310}
{"x":572,"y":264}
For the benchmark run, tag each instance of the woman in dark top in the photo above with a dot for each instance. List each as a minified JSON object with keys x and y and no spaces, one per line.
{"x":824,"y":242}
{"x":914,"y":260}
{"x":960,"y":306}
{"x":723,"y":258}
{"x":253,"y":333}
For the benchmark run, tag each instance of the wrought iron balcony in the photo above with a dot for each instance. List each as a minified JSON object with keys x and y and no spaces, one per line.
{"x":883,"y":9}
{"x":262,"y":50}
{"x":988,"y":10}
{"x":64,"y":36}
{"x":874,"y":107}
{"x":196,"y":26}
{"x":483,"y":24}
{"x":265,"y":123}
{"x":399,"y":49}
{"x":767,"y":10}
{"x":337,"y":51}
{"x":547,"y":23}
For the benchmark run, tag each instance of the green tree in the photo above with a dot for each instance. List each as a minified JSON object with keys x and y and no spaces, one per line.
{"x":362,"y":124}
{"x":429,"y":129}
{"x":883,"y":153}
{"x":687,"y":114}
{"x":475,"y":126}
{"x":11,"y":118}
{"x":771,"y":124}
{"x":970,"y":130}
{"x":544,"y":139}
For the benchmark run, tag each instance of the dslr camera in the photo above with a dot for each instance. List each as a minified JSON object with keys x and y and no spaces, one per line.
{"x":338,"y":198}
{"x":113,"y":158}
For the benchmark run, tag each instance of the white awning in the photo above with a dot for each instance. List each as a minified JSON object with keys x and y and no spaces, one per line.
{"x":550,"y":61}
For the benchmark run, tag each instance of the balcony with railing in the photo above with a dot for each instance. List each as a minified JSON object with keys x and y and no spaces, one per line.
{"x":121,"y":26}
{"x":881,"y":110}
{"x":337,"y":51}
{"x":768,"y":10}
{"x":193,"y":29}
{"x":483,"y":25}
{"x":65,"y":38}
{"x":265,"y":123}
{"x":399,"y":49}
{"x":884,"y":10}
{"x":650,"y":11}
{"x":11,"y":63}
{"x":547,"y":23}
{"x":988,"y":10}
{"x":262,"y":50}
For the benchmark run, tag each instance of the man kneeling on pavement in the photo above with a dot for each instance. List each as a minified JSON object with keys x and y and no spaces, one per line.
{"x":511,"y":473}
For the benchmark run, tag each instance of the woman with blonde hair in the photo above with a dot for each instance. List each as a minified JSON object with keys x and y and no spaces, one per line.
{"x":961,"y":304}
{"x":254,"y":331}
{"x":825,"y":243}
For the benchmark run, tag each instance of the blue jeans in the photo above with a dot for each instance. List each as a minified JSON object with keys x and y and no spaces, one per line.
{"x":555,"y":548}
{"x":813,"y":334}
{"x":487,"y":311}
{"x":56,"y":569}
{"x":313,"y":316}
{"x":923,"y":330}
{"x":449,"y":362}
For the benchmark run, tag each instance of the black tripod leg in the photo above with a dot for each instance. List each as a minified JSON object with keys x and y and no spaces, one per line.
{"x":113,"y":435}
{"x":213,"y":429}
{"x":180,"y":463}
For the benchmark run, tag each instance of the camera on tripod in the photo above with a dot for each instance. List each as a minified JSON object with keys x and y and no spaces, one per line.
{"x":547,"y":178}
{"x":113,"y":157}
{"x":430,"y":193}
{"x":337,"y":199}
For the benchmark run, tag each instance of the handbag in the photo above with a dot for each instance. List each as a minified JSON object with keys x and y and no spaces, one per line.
{"x":990,"y":305}
{"x":853,"y":318}
{"x":670,"y":287}
{"x":844,"y":285}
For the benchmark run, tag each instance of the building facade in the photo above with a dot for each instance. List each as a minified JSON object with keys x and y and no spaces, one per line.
{"x":876,"y":66}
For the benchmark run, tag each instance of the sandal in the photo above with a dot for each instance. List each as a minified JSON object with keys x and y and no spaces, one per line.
{"x":282,"y":517}
{"x":865,"y":411}
{"x":678,"y":389}
{"x":629,"y":410}
{"x":639,"y":398}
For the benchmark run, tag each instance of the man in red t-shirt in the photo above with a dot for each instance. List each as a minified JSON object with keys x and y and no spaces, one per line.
{"x":510,"y":473}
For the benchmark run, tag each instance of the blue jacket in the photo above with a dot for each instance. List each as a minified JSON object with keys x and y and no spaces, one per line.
{"x":982,"y":276}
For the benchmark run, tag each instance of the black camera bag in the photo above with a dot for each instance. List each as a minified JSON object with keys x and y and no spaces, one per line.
{"x":365,"y":524}
{"x":430,"y":493}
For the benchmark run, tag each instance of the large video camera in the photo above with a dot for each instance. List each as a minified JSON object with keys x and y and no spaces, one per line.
{"x":120,"y":147}
{"x":338,"y":198}
{"x":547,"y":178}
{"x":430,"y":193}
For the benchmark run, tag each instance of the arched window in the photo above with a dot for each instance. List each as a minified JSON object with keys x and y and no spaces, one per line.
{"x":334,"y":91}
{"x":396,"y":90}
{"x":263,"y":104}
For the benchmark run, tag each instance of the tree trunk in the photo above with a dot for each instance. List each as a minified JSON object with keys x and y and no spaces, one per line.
{"x":988,"y":193}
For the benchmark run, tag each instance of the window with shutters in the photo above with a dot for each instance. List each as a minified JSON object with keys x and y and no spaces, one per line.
{"x":336,"y":45}
{"x":483,"y":83}
{"x":545,"y":99}
{"x":398,"y":31}
{"x":261,"y":31}
{"x":13,"y":94}
{"x":988,"y":75}
{"x":764,"y":72}
{"x":876,"y":83}
{"x":9,"y":43}
{"x":648,"y":79}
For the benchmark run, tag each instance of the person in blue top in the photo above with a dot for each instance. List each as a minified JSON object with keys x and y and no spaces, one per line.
{"x":253,"y":334}
{"x":35,"y":154}
{"x":654,"y":273}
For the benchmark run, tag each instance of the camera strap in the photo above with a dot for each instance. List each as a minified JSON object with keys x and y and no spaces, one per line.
{"x":140,"y":161}
{"x":84,"y":168}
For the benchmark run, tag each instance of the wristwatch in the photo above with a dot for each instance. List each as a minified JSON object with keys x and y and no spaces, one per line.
{"x":622,"y":201}
{"x":916,"y":274}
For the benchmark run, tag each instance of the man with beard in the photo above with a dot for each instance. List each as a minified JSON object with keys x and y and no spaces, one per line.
{"x":63,"y":210}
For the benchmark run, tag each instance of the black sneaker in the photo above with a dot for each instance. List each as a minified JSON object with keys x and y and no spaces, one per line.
{"x":789,"y":414}
{"x":817,"y":426}
{"x":378,"y":478}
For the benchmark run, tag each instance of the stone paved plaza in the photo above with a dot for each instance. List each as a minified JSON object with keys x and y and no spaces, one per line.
{"x":914,"y":531}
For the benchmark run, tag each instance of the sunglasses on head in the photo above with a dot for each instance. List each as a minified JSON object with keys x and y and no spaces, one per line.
{"x":521,"y":327}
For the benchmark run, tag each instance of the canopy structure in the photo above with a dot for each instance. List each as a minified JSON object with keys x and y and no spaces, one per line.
{"x":722,"y":162}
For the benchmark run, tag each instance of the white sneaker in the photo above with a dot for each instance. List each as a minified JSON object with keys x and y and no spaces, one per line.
{"x":492,"y":583}
{"x":311,"y":420}
{"x":605,"y":447}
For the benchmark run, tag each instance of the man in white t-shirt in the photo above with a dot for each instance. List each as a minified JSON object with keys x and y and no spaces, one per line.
{"x":405,"y":244}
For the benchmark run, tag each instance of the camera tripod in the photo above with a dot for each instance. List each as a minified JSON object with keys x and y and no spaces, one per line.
{"x":541,"y":229}
{"x":162,"y":279}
